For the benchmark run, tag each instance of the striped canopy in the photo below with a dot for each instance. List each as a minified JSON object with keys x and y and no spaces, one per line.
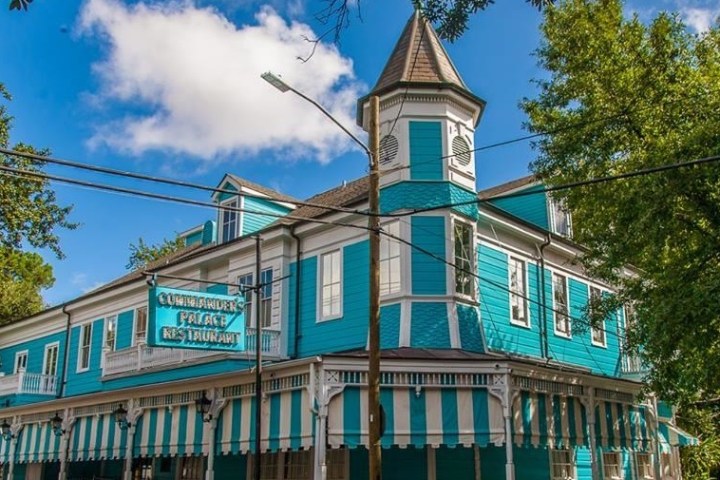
{"x":287,"y":423}
{"x":4,"y":450}
{"x":169,"y":432}
{"x":672,"y":436}
{"x":428,"y":416}
{"x":97,"y":438}
{"x":618,"y":425}
{"x":554,"y":421}
{"x":38,"y":443}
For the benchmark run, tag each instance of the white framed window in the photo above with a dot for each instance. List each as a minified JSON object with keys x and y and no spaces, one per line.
{"x":110,"y":342}
{"x":562,"y":465}
{"x":140,"y":326}
{"x":612,"y":466}
{"x":518,"y":292}
{"x":266,"y":279}
{"x":84,"y":347}
{"x":560,"y":305}
{"x":597,"y":333}
{"x":560,"y":220}
{"x":229,"y":220}
{"x":283,"y":465}
{"x":246,"y":282}
{"x":21,"y":359}
{"x":337,"y":463}
{"x":643,"y":461}
{"x":331,"y":285}
{"x":390,"y":273}
{"x":464,"y":259}
{"x":192,"y":468}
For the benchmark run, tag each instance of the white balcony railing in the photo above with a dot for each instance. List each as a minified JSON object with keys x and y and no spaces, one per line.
{"x":143,"y":357}
{"x":30,"y":383}
{"x":633,"y":365}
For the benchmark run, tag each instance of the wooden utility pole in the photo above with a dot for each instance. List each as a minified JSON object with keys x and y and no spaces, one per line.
{"x":374,"y":420}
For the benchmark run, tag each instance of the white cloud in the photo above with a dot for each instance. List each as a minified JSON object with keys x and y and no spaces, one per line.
{"x":196,"y":78}
{"x":699,"y":19}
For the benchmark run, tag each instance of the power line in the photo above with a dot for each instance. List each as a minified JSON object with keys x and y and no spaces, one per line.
{"x":169,"y":181}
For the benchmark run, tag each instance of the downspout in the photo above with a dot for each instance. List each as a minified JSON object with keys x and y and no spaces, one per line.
{"x":544,"y":348}
{"x":66,"y":355}
{"x":298,"y":253}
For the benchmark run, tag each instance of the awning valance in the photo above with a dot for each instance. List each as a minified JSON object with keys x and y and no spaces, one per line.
{"x":287,"y":423}
{"x":672,"y":436}
{"x":4,"y":450}
{"x":97,"y":438}
{"x":619,"y":425}
{"x":38,"y":443}
{"x":169,"y":432}
{"x":554,"y":421}
{"x":423,"y":416}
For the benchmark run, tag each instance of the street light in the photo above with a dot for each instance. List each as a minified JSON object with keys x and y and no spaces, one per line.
{"x":202,"y":406}
{"x":57,"y":423}
{"x":121,"y":417}
{"x":5,"y":430}
{"x":375,"y":416}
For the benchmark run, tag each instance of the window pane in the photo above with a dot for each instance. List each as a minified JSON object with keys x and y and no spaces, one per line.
{"x":562,"y":322}
{"x":331,"y":284}
{"x":464,"y":259}
{"x":518,"y":291}
{"x":140,"y":324}
{"x":390,"y":260}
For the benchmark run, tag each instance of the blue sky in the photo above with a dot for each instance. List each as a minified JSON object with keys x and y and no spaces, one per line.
{"x":173,"y":89}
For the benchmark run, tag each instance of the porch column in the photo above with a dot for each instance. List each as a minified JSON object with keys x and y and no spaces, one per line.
{"x":67,"y":427}
{"x":502,"y":388}
{"x":320,"y":395}
{"x":15,"y":430}
{"x":509,"y":464}
{"x":215,"y":408}
{"x":590,"y":407}
{"x":133,"y":415}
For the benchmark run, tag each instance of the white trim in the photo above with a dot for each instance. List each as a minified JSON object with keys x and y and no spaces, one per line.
{"x":320,"y":267}
{"x":453,"y":324}
{"x":221,"y":213}
{"x":78,"y":367}
{"x":573,"y":461}
{"x":17,"y":355}
{"x":557,"y":332}
{"x":619,"y":462}
{"x":525,"y":296}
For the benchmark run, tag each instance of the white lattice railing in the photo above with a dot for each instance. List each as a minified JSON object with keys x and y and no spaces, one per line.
{"x":633,"y":364}
{"x":142,"y":357}
{"x":31,"y":383}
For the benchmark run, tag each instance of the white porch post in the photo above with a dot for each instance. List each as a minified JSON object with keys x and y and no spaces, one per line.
{"x":67,"y":427}
{"x":217,"y":406}
{"x":15,"y":430}
{"x":320,"y":395}
{"x":133,"y":415}
{"x":502,"y":387}
{"x":590,"y":407}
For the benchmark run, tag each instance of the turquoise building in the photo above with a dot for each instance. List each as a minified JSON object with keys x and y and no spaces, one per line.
{"x":490,"y":369}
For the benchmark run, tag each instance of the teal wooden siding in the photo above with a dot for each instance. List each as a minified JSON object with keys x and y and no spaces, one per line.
{"x":427,"y":194}
{"x":219,"y":289}
{"x":454,"y":463}
{"x":583,"y":464}
{"x":253,"y":222}
{"x":531,"y":208}
{"x":504,"y":336}
{"x":89,"y":381}
{"x":225,"y":196}
{"x":428,"y":273}
{"x":390,"y":326}
{"x":124,"y":329}
{"x":429,"y":325}
{"x":471,"y":335}
{"x":426,"y":161}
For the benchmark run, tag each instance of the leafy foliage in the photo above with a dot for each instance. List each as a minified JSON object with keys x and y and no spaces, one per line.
{"x":142,"y":254}
{"x":29,"y":217}
{"x":620,"y":96}
{"x":20,"y":4}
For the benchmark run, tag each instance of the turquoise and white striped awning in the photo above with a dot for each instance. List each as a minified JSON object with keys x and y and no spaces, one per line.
{"x":171,"y":431}
{"x":672,"y":436}
{"x":287,"y":423}
{"x":618,"y":425}
{"x":38,"y":443}
{"x":427,"y":416}
{"x":4,"y":450}
{"x":554,"y":421}
{"x":97,"y":438}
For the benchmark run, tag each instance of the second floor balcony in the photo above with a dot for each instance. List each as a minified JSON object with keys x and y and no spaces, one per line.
{"x":28,"y":383}
{"x":142,"y":357}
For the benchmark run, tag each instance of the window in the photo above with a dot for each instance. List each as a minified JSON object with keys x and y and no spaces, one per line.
{"x":140,"y":325}
{"x":266,"y":279}
{"x":560,"y":308}
{"x":562,"y":465}
{"x":21,"y":362}
{"x":84,"y":352}
{"x":612,"y":466}
{"x":246,"y":283}
{"x":110,"y":332}
{"x":390,"y":260}
{"x":331,"y":283}
{"x":336,"y":461}
{"x":560,"y":221}
{"x":597,"y":333}
{"x":298,"y":465}
{"x":51,"y":359}
{"x":644,"y":466}
{"x":192,"y":468}
{"x":464,"y":259}
{"x":518,"y":292}
{"x":229,"y":220}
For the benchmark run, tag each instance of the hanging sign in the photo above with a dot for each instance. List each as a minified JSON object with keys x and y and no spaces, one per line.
{"x":198,"y":320}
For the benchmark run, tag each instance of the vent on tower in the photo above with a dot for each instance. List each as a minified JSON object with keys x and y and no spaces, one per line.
{"x":461,"y":151}
{"x":388,"y":149}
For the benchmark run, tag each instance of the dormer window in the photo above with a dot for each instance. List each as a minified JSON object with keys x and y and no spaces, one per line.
{"x":229,"y":217}
{"x":560,"y":221}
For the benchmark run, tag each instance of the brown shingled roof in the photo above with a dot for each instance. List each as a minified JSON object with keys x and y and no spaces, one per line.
{"x":342,"y":196}
{"x":506,"y":187}
{"x":262,"y":189}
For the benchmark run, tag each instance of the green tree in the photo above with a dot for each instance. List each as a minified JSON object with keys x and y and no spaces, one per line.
{"x":142,"y":254}
{"x":29,"y":218}
{"x":622,"y":95}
